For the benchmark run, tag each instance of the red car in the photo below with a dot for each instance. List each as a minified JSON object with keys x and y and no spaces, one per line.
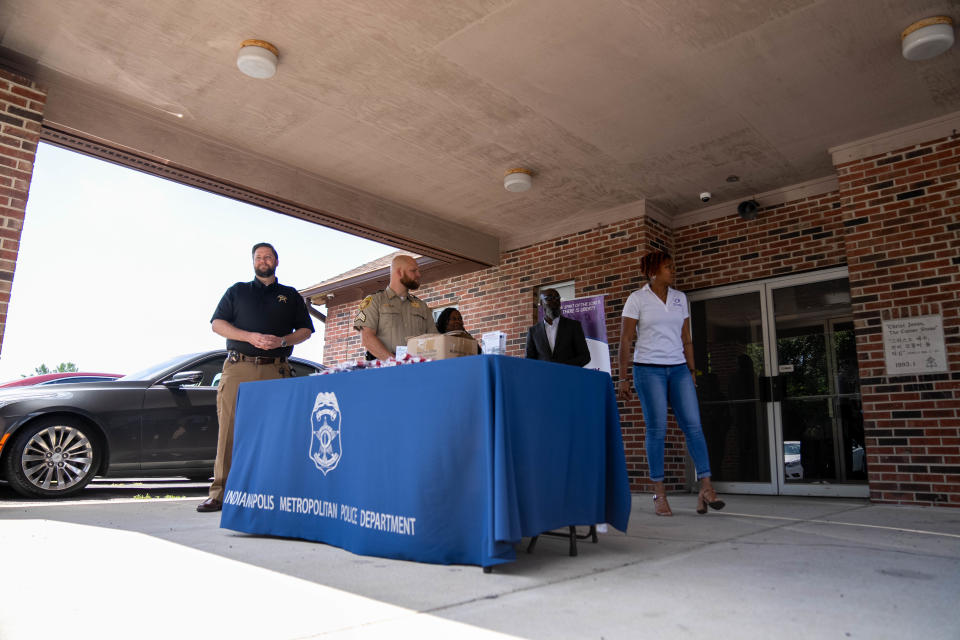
{"x":62,"y":378}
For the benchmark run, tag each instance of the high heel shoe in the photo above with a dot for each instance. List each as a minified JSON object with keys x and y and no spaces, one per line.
{"x":708,"y":497}
{"x":660,"y":505}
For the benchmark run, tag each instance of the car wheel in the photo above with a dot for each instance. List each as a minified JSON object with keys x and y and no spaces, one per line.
{"x":52,"y":458}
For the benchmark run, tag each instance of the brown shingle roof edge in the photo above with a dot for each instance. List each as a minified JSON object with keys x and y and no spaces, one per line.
{"x":375,"y":275}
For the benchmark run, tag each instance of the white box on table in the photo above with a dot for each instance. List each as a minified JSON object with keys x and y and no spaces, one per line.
{"x":495,"y":342}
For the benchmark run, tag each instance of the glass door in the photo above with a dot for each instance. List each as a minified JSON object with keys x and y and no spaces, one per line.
{"x":816,"y":390}
{"x":779,"y":386}
{"x":731,"y":357}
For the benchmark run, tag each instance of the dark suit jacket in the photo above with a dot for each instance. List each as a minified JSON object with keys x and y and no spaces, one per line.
{"x":570,"y":347}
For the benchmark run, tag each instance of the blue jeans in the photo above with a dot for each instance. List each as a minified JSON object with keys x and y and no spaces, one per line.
{"x":655,"y":387}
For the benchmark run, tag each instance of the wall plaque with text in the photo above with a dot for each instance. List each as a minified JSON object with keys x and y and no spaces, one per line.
{"x":914,"y":345}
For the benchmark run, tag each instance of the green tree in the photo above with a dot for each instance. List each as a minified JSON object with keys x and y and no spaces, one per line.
{"x":63,"y":367}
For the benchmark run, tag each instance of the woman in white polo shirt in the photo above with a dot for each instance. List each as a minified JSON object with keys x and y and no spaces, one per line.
{"x":663,"y":371}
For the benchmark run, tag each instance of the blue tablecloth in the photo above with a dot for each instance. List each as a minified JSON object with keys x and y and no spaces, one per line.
{"x":451,"y":461}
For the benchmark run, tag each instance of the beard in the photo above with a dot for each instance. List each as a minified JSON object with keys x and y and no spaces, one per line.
{"x":410,"y":283}
{"x":550,"y":312}
{"x":265,"y":272}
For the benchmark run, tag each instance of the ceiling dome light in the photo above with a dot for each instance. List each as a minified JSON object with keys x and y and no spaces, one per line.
{"x":927,"y":38}
{"x":257,"y":58}
{"x":517,"y":180}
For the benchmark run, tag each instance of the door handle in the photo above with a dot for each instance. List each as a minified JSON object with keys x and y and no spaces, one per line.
{"x":778,"y":387}
{"x":772,"y":388}
{"x":765,"y":392}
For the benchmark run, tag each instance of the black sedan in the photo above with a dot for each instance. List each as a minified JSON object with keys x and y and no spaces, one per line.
{"x":161,"y":421}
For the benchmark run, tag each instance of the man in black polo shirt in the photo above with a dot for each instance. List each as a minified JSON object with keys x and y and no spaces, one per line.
{"x":261,"y":321}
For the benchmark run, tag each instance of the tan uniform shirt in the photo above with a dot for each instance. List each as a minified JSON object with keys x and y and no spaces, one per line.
{"x":394,"y":319}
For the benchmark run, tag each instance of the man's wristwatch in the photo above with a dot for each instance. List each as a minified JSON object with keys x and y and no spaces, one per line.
{"x":283,"y":341}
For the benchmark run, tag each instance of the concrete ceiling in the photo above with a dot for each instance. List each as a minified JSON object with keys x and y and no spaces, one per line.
{"x":424,"y":104}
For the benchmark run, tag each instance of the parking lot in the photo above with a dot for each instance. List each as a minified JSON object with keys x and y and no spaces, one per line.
{"x":117,"y":563}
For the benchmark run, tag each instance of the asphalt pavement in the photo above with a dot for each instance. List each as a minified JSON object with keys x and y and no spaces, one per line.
{"x":135,"y":560}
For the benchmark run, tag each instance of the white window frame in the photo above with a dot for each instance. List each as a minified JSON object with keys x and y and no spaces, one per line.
{"x":567,"y":289}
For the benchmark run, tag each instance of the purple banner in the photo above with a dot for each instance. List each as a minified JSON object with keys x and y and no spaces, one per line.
{"x":591,"y":315}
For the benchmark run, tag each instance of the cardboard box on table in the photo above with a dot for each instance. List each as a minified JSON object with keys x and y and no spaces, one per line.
{"x":440,"y":346}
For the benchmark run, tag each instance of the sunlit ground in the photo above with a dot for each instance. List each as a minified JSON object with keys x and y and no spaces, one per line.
{"x":93,"y":582}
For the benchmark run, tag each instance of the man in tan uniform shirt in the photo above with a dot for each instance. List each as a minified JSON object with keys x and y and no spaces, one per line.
{"x":389,"y":317}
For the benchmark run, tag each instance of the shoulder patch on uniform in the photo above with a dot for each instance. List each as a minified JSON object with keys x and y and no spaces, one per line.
{"x":414,"y":303}
{"x":361,"y":317}
{"x":365,"y":302}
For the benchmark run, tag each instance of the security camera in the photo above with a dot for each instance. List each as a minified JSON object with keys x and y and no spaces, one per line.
{"x":705,"y":196}
{"x":748,"y":209}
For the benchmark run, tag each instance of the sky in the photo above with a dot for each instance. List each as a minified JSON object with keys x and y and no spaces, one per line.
{"x":119,"y":270}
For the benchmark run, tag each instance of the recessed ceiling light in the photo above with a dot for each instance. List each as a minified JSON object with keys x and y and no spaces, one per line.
{"x":927,"y":38}
{"x":517,"y":180}
{"x":258,"y":58}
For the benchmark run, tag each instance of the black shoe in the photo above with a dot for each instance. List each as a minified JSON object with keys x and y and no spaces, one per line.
{"x":708,"y":497}
{"x":208,"y":505}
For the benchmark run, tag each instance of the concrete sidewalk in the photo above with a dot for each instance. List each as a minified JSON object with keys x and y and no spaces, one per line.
{"x":763,"y":567}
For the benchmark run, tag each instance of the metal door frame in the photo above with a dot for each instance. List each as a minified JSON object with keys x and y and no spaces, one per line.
{"x":777,"y":485}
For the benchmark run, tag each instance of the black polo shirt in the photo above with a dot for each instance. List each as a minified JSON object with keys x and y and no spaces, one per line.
{"x":275,"y":309}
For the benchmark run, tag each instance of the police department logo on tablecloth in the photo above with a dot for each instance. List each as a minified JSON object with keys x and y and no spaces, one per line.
{"x":325,"y":449}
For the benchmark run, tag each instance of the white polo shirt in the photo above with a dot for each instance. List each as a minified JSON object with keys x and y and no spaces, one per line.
{"x":659,"y":324}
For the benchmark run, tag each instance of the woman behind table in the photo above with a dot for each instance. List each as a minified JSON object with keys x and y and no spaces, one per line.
{"x":664,"y":372}
{"x":451,"y":320}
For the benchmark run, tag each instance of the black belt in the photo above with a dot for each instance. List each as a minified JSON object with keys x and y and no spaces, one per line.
{"x":650,"y":364}
{"x":235,"y":356}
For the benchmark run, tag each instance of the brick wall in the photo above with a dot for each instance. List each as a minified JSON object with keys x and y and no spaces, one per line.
{"x":893,"y":221}
{"x":902,"y":231}
{"x":784,"y":238}
{"x":502,"y":298}
{"x":21,"y":113}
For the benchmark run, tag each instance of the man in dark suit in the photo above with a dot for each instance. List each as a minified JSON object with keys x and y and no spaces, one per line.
{"x":556,"y":339}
